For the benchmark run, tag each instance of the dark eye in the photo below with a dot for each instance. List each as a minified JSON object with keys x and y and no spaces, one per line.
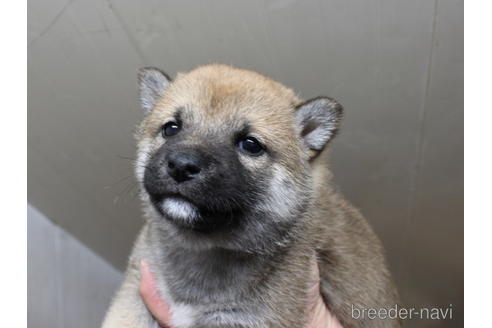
{"x":251,"y":146}
{"x":170,"y":129}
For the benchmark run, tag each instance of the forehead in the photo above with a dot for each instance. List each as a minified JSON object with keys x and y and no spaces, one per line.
{"x":225,"y":97}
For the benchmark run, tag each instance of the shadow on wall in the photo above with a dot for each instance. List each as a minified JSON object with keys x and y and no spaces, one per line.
{"x":68,"y":285}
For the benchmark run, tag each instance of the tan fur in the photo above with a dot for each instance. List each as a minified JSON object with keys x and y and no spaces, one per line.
{"x":350,"y":256}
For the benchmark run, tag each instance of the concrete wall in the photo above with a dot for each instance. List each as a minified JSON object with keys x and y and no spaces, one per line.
{"x":68,"y":285}
{"x":396,"y":66}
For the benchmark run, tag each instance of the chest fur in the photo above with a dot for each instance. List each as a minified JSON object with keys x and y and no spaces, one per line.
{"x":215,"y":288}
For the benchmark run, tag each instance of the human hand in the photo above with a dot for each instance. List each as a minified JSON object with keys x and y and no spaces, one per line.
{"x":319,"y":315}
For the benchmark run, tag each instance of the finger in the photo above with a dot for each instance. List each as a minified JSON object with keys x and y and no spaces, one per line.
{"x":322,"y":317}
{"x":319,"y":315}
{"x":150,"y":295}
{"x":314,"y":291}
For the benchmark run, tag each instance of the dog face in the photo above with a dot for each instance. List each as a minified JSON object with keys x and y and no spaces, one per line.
{"x":224,"y":154}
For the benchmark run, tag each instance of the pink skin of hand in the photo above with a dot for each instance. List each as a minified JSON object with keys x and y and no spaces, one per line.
{"x":320,"y":316}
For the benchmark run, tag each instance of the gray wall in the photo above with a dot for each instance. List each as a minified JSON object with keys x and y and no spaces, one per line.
{"x":396,"y":66}
{"x":69,"y":286}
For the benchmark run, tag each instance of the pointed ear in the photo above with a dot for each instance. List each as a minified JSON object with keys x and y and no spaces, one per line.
{"x":318,"y":121}
{"x":152,"y":83}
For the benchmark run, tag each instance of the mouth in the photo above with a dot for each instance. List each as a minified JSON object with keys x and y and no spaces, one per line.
{"x":179,"y":208}
{"x":186,"y":214}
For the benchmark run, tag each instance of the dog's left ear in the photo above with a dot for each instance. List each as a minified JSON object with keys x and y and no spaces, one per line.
{"x":318,"y":120}
{"x":152,"y":83}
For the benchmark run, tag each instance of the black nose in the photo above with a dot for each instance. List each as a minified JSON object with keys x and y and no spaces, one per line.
{"x":185,"y":165}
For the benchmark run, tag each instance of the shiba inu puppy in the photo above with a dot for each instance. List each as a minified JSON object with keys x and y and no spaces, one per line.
{"x":239,"y":201}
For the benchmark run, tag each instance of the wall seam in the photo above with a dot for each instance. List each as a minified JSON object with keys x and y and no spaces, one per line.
{"x":420,"y":144}
{"x":127,"y":33}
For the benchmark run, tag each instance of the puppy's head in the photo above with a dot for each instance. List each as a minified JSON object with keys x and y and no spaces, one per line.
{"x":224,"y":154}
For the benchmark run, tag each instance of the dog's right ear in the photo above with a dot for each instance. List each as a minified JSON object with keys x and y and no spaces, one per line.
{"x":152,"y":83}
{"x":318,"y":121}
